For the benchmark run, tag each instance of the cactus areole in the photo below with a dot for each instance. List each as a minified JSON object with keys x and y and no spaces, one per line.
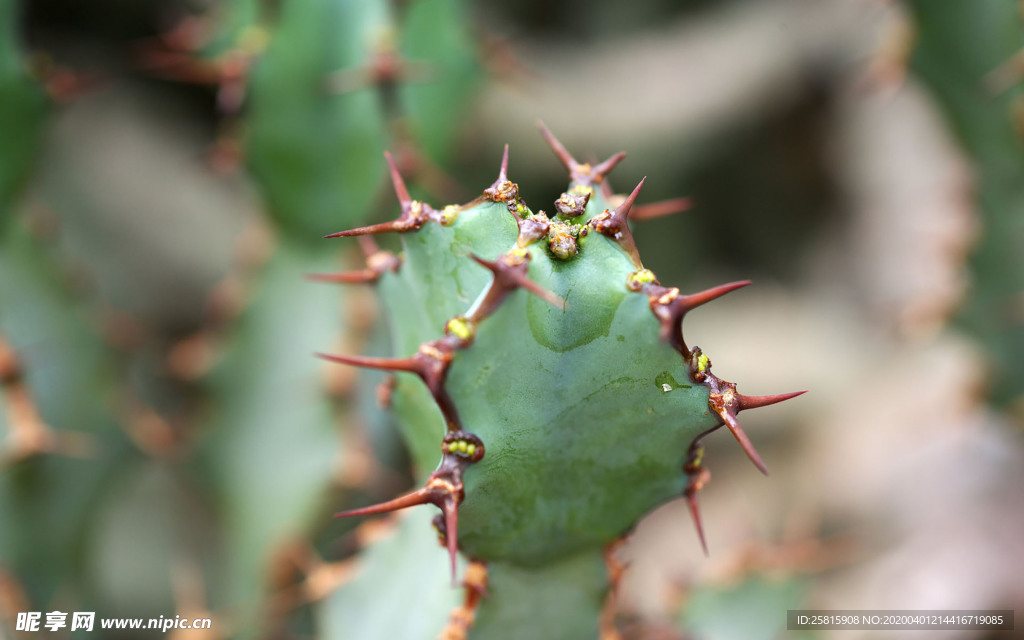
{"x":550,"y":374}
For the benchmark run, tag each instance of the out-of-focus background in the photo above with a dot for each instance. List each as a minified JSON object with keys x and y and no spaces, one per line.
{"x":169,"y":446}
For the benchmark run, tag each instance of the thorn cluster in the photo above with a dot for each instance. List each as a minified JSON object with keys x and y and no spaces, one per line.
{"x":615,"y":225}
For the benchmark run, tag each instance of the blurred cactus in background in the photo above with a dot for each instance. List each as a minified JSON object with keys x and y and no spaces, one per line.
{"x":170,"y":445}
{"x":190,"y":494}
{"x":21,"y":112}
{"x":971,"y":57}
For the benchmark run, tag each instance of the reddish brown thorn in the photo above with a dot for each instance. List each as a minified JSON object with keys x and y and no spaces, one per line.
{"x":581,"y":173}
{"x":615,"y":225}
{"x":599,"y":171}
{"x":654,"y":210}
{"x":622,"y":211}
{"x":411,"y":160}
{"x":556,"y":146}
{"x":414,"y":213}
{"x":691,"y":500}
{"x":697,"y":476}
{"x":396,"y":180}
{"x":503,"y":190}
{"x":383,"y":227}
{"x":346,"y":277}
{"x":430,"y":363}
{"x":509,"y":276}
{"x":491,"y":265}
{"x":503,"y":171}
{"x":377,"y":263}
{"x":755,"y":402}
{"x":729,"y":418}
{"x":694,"y":300}
{"x":542,"y":293}
{"x":418,"y":497}
{"x":670,"y":307}
{"x":462,"y":618}
{"x":411,"y":365}
{"x":444,"y":490}
{"x":369,"y":246}
{"x":451,"y":526}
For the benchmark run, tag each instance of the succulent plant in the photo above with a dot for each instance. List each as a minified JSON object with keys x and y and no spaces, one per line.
{"x":554,"y":375}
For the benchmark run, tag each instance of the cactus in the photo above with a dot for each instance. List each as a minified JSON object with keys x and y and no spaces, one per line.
{"x":564,"y":397}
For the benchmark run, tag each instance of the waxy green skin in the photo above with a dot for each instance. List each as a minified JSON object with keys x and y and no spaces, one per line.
{"x":542,"y":343}
{"x":581,"y":439}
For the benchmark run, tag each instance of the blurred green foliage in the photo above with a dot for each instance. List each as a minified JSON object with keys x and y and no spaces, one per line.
{"x":22,"y":111}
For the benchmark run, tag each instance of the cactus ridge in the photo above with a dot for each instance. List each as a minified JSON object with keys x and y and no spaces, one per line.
{"x":579,"y":214}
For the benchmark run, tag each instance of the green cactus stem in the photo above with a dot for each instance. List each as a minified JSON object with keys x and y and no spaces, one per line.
{"x":559,"y":429}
